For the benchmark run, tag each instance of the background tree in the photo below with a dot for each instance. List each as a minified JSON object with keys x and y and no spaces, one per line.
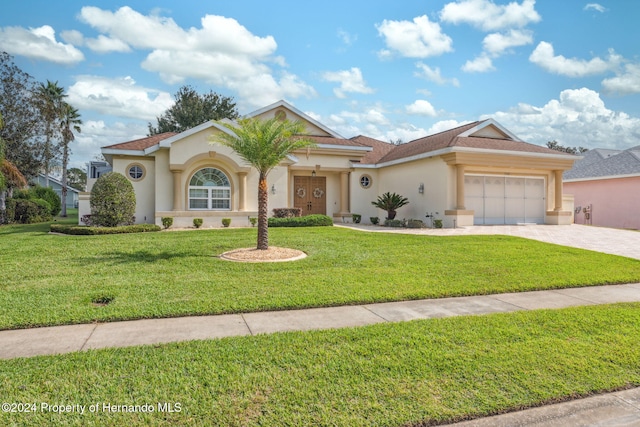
{"x":70,"y":122}
{"x":192,"y":109}
{"x":571,"y":150}
{"x":51,"y":100}
{"x":23,"y":124}
{"x":264,"y":144}
{"x":77,"y":178}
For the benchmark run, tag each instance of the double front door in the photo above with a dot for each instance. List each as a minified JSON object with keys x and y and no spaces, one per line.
{"x":310,"y":194}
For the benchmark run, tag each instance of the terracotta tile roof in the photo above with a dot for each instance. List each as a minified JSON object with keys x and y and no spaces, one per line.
{"x":380,"y":148}
{"x":142,"y":143}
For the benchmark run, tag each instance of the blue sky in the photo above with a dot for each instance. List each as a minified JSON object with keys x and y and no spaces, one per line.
{"x":546,"y":70}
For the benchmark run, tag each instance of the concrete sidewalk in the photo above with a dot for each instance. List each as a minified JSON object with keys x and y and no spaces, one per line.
{"x":613,"y":409}
{"x":65,"y":339}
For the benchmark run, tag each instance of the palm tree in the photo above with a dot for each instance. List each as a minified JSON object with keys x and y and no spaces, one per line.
{"x":263,"y":144}
{"x":70,"y":120}
{"x":51,"y":99}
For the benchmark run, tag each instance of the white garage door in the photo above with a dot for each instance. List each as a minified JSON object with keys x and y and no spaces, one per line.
{"x":504,"y":199}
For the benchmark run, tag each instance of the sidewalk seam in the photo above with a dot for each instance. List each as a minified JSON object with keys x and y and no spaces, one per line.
{"x":374,"y":313}
{"x":247,"y":324}
{"x":89,"y":337}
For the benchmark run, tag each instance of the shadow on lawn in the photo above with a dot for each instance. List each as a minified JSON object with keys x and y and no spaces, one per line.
{"x":142,"y":256}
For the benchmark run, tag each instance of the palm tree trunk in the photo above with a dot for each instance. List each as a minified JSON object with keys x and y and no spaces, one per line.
{"x":65,"y":158}
{"x":263,"y":221}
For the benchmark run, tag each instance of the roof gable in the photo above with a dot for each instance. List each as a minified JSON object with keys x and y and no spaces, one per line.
{"x":283,"y":106}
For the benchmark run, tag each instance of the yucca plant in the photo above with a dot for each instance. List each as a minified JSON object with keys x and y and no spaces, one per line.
{"x":390,"y":203}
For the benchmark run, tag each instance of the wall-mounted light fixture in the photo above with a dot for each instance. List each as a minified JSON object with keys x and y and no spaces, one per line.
{"x":421,"y":188}
{"x":273,"y":189}
{"x":313,"y":173}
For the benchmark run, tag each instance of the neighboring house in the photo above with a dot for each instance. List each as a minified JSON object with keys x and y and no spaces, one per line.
{"x":56,"y":185}
{"x":606,"y":187}
{"x":479,"y":173}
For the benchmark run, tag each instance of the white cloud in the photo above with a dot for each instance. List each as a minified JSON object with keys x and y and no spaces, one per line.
{"x":480,"y":64}
{"x":434,"y":75}
{"x":347,"y":38}
{"x":544,"y":57}
{"x":96,"y":134}
{"x":421,"y":107}
{"x":578,"y":118}
{"x":625,"y":83}
{"x":118,"y":97}
{"x":487,"y":16}
{"x":221,"y":52}
{"x":444,"y":125}
{"x":419,"y":38}
{"x":497,"y":43}
{"x":595,"y":6}
{"x":350,"y":81}
{"x":38,"y":43}
{"x":103,"y":44}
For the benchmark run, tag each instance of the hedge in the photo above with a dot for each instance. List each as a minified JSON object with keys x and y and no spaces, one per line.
{"x":80,"y":230}
{"x":302,"y":221}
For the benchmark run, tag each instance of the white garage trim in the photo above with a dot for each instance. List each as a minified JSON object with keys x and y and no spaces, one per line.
{"x":505,"y":199}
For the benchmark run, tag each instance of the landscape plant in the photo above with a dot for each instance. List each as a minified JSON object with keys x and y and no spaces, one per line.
{"x":167,"y":221}
{"x":197,"y":222}
{"x":113,"y":201}
{"x":374,"y":220}
{"x":264,"y":144}
{"x":226,"y":222}
{"x":390,"y":202}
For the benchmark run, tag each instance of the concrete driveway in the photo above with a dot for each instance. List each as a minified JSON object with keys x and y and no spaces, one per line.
{"x":608,"y":240}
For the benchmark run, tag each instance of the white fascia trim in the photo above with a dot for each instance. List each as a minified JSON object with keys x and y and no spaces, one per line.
{"x":285,"y":104}
{"x":111,"y":151}
{"x":442,"y":151}
{"x":343,"y":147}
{"x":489,"y":122}
{"x":600,"y":178}
{"x":517,"y":153}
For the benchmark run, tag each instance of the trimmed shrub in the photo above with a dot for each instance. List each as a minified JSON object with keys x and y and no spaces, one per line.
{"x":113,"y":201}
{"x":394,"y":223}
{"x":303,"y":221}
{"x":48,"y":194}
{"x":253,"y":220}
{"x":287,"y":212}
{"x":226,"y":222}
{"x":415,"y":223}
{"x":356,"y":218}
{"x":31,"y":211}
{"x":167,"y":221}
{"x":374,"y":220}
{"x":197,"y":222}
{"x":79,"y":230}
{"x":437,"y":223}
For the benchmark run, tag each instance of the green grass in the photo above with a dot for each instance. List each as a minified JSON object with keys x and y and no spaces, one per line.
{"x":50,"y":279}
{"x":422,"y":372}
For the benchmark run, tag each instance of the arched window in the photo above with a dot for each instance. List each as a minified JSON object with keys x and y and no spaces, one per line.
{"x":209,"y":189}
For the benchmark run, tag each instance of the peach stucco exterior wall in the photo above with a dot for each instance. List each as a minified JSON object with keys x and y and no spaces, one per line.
{"x":615,"y":202}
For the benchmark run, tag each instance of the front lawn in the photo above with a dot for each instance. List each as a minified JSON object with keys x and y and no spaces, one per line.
{"x":51,"y":279}
{"x":413,"y":373}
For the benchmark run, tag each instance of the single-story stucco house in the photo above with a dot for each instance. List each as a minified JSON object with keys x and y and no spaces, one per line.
{"x":479,"y":173}
{"x":606,"y":184}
